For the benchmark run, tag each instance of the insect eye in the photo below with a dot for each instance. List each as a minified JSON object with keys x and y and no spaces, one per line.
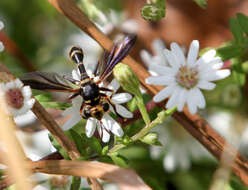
{"x":87,"y":113}
{"x":105,"y":107}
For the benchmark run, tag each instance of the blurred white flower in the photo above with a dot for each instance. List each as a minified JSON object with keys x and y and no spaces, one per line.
{"x":117,"y":20}
{"x":184,"y":77}
{"x":179,"y":148}
{"x":17,"y":98}
{"x":1,"y":43}
{"x":107,"y":124}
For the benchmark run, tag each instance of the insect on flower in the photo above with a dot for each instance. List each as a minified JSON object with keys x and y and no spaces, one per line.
{"x":96,"y":102}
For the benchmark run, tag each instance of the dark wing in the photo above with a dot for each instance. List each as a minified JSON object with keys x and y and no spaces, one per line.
{"x":118,"y":52}
{"x":47,"y":81}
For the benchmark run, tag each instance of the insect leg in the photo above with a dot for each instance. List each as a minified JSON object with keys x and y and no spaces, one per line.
{"x":73,"y":96}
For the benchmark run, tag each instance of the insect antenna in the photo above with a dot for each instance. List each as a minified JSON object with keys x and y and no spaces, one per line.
{"x":77,"y":56}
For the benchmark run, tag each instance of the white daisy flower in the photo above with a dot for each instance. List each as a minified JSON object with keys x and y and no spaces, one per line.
{"x":17,"y":97}
{"x":1,"y":43}
{"x":107,"y":123}
{"x":184,"y":77}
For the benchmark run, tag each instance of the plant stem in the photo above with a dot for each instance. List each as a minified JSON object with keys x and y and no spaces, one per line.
{"x":160,"y":119}
{"x":142,"y":108}
{"x":75,"y":184}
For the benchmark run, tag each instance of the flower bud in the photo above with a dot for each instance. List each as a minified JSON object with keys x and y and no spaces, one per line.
{"x":154,"y":11}
{"x":151,"y":138}
{"x":127,"y":79}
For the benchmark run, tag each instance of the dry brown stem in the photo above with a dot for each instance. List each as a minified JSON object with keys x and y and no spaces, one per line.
{"x":126,"y":179}
{"x":194,"y":124}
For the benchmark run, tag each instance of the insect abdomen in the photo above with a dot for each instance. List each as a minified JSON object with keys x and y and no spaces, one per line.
{"x":77,"y":56}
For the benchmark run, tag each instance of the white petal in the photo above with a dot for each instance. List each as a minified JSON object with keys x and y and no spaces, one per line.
{"x":169,"y":162}
{"x":90,"y":127}
{"x":193,"y":52}
{"x":121,"y":98}
{"x":1,"y":25}
{"x":203,"y":84}
{"x":181,"y":99}
{"x":160,"y":80}
{"x":1,"y":46}
{"x":177,"y":51}
{"x":75,"y":74}
{"x":163,"y":94}
{"x":105,"y":136}
{"x":173,"y":100}
{"x":216,"y":63}
{"x":9,"y":85}
{"x":212,"y":76}
{"x":112,"y":125}
{"x":71,"y":122}
{"x":26,"y":92}
{"x":171,"y":59}
{"x":191,"y":97}
{"x":123,"y":111}
{"x":146,"y":57}
{"x":201,"y":103}
{"x":30,"y":103}
{"x":158,"y":46}
{"x":162,"y":70}
{"x":206,"y":57}
{"x":18,"y":83}
{"x":114,"y":85}
{"x":67,"y":111}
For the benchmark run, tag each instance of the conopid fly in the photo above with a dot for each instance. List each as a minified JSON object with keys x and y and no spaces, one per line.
{"x":95,"y":101}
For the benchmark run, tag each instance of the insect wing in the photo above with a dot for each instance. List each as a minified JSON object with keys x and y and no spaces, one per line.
{"x":47,"y":81}
{"x":119,"y":52}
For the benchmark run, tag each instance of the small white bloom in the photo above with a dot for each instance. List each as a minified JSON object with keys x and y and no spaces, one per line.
{"x":17,"y":97}
{"x":184,"y":77}
{"x":107,"y":124}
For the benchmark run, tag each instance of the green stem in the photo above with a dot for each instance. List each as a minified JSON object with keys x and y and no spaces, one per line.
{"x":160,"y":119}
{"x":75,"y":184}
{"x":142,"y":108}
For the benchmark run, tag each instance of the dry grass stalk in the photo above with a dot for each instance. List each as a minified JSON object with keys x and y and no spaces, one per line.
{"x":126,"y":179}
{"x":194,"y":124}
{"x":15,"y":158}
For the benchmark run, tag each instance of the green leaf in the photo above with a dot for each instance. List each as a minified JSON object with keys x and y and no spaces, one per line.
{"x":239,"y":77}
{"x":236,"y":30}
{"x":201,"y":3}
{"x":105,"y":150}
{"x":119,"y":160}
{"x":79,"y":141}
{"x":56,"y":105}
{"x":44,"y":97}
{"x":243,"y":21}
{"x":93,"y":143}
{"x":229,"y":51}
{"x":58,"y":147}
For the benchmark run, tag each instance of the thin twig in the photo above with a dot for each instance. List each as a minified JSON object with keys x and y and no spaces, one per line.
{"x":194,"y":124}
{"x":13,"y":49}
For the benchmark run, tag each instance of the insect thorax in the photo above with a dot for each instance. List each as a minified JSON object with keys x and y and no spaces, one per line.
{"x":90,"y":93}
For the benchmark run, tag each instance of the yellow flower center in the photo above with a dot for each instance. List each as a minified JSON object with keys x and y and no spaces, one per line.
{"x":187,"y":77}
